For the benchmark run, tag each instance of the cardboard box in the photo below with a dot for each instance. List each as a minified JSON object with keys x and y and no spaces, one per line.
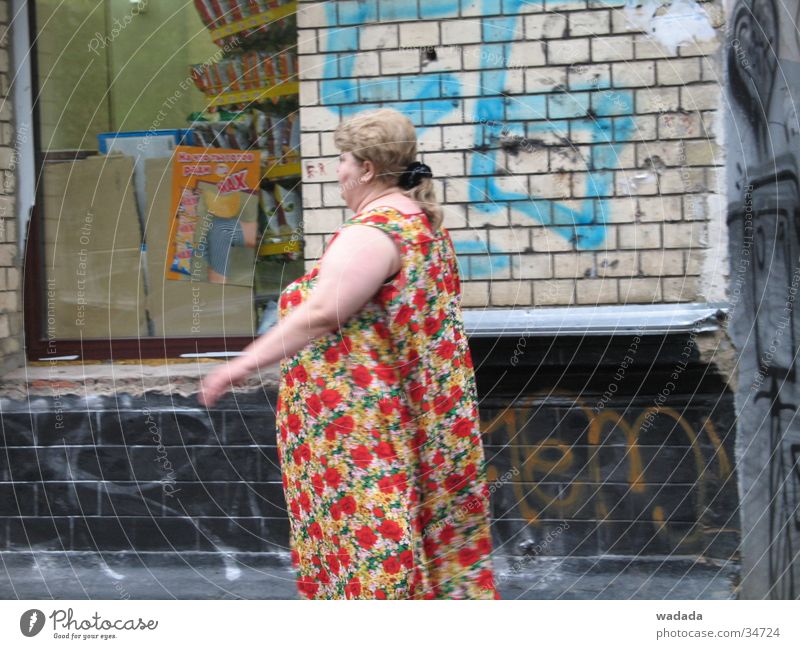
{"x":92,"y":250}
{"x":89,"y":204}
{"x":96,"y":295}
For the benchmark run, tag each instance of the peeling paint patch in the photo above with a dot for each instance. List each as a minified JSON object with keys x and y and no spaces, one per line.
{"x":671,"y":23}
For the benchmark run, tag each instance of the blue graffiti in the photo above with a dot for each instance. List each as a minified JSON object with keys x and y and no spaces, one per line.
{"x":583,"y":226}
{"x":340,"y":85}
{"x":428,"y":98}
{"x":477,"y":260}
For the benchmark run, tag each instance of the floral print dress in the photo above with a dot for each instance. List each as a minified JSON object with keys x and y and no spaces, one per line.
{"x":378,"y":437}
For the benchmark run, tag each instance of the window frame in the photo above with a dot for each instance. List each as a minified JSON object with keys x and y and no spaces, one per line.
{"x":37,"y":346}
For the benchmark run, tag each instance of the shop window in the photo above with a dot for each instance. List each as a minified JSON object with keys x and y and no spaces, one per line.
{"x":168,"y":214}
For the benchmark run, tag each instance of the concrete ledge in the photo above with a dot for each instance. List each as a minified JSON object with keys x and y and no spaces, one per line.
{"x":61,"y":379}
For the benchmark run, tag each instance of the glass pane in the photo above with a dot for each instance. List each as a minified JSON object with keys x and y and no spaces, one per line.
{"x":121,"y":87}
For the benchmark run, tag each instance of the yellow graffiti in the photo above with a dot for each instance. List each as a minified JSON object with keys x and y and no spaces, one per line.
{"x":635,"y":471}
{"x":541,"y":462}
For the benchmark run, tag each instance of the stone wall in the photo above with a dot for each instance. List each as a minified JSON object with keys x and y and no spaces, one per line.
{"x":594,"y":446}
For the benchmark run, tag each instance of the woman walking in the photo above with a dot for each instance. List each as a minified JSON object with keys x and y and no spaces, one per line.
{"x":380,"y":449}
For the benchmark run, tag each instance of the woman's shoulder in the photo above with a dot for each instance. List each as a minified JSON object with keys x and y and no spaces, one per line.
{"x":410,"y":219}
{"x":393,"y":208}
{"x":386,"y":216}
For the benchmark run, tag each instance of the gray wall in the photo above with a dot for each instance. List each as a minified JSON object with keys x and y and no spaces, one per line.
{"x":763,"y":144}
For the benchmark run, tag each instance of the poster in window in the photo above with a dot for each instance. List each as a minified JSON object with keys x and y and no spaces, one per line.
{"x":214,"y":227}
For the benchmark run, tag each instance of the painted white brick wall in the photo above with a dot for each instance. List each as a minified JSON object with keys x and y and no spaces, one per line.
{"x":577,"y":153}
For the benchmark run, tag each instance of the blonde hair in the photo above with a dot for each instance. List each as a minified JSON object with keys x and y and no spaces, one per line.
{"x":387,"y":139}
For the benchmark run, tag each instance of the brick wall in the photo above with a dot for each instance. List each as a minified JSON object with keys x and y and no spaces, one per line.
{"x":577,"y":154}
{"x":10,"y":296}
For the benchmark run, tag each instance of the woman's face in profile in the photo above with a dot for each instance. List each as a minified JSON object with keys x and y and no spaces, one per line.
{"x":349,"y":173}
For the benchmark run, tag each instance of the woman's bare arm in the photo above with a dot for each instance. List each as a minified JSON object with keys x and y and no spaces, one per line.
{"x":351,"y":272}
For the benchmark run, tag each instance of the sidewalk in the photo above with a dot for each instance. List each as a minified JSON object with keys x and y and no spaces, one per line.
{"x":203,"y":575}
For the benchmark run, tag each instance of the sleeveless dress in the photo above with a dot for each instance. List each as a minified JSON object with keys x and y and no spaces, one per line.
{"x":378,"y":437}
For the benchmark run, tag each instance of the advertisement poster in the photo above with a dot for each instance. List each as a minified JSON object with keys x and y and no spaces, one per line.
{"x":214,"y":228}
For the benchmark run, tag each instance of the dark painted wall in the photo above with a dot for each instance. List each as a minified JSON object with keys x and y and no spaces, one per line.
{"x":622,"y":446}
{"x":763,"y":144}
{"x":594,"y":446}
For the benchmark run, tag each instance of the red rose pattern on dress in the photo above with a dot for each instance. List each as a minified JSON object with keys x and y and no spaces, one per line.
{"x":379,"y":441}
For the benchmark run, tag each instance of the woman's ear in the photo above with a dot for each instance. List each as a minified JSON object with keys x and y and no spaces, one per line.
{"x":369,"y":172}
